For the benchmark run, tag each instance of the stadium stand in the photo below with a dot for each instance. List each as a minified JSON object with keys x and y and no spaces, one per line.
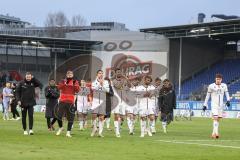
{"x":195,"y":88}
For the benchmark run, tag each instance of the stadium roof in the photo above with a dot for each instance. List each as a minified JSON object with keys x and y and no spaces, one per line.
{"x":46,"y":42}
{"x":12,"y":19}
{"x":200,"y":29}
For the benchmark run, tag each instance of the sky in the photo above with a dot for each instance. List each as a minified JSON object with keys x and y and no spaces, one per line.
{"x":135,"y":14}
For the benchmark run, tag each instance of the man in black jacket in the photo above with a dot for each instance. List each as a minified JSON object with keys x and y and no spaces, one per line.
{"x":109,"y":104}
{"x":52,"y":94}
{"x":25,"y":94}
{"x":166,"y":103}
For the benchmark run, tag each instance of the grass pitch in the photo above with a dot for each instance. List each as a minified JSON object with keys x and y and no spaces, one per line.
{"x":185,"y":140}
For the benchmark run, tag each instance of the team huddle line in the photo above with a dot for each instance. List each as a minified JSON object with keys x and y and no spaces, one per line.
{"x":121,"y":96}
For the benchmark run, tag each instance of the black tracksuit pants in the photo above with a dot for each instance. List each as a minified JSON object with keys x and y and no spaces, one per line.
{"x":27,"y":110}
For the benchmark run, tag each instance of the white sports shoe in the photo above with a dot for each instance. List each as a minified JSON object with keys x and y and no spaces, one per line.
{"x":153,"y":131}
{"x":18,"y":118}
{"x":93,"y":132}
{"x":59,"y":131}
{"x":25,"y":133}
{"x":81,"y":128}
{"x":131,"y":133}
{"x":142,"y":135}
{"x":150,"y":133}
{"x":118,"y":135}
{"x":145,"y":132}
{"x":165,"y":130}
{"x":100,"y":135}
{"x":68,"y":134}
{"x":31,"y":132}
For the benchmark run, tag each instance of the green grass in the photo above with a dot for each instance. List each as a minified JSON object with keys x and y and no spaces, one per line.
{"x":45,"y":145}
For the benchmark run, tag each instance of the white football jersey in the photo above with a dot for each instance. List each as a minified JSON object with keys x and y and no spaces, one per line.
{"x":99,"y":92}
{"x":120,"y":89}
{"x":156,"y":95}
{"x":216,"y":92}
{"x":142,"y":90}
{"x":82,"y":99}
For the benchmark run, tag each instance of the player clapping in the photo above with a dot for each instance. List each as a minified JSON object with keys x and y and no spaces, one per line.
{"x":68,"y":87}
{"x":99,"y":87}
{"x":146,"y":109}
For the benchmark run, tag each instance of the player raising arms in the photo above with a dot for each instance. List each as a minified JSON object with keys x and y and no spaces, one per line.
{"x":99,"y":87}
{"x":216,"y":91}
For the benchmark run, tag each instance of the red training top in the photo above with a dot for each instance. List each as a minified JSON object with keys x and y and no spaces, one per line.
{"x":68,"y":90}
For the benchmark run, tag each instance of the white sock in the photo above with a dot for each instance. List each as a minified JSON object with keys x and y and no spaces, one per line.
{"x":130,"y":123}
{"x":133,"y":123}
{"x":81,"y":124}
{"x":100,"y":125}
{"x":152,"y":125}
{"x":108,"y":123}
{"x":164,"y":125}
{"x":215,"y":127}
{"x":97,"y":124}
{"x":7,"y":116}
{"x":85,"y":123}
{"x":94,"y":122}
{"x":116,"y":125}
{"x":143,"y":126}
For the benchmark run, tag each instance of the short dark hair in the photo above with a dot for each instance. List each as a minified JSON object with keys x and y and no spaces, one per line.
{"x":158,"y":79}
{"x":28,"y":73}
{"x":107,"y":79}
{"x":69,"y":71}
{"x":149,"y":77}
{"x":99,"y":71}
{"x":88,"y":80}
{"x":218,"y":75}
{"x":138,"y":78}
{"x":166,"y":80}
{"x":117,"y":69}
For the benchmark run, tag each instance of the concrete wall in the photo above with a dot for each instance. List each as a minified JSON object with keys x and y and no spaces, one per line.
{"x":140,"y":41}
{"x":197,"y":54}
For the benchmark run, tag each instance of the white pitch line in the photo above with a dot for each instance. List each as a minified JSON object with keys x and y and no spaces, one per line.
{"x":200,"y":144}
{"x":207,"y":140}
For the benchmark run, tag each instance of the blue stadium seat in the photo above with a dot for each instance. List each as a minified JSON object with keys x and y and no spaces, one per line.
{"x":229,"y":68}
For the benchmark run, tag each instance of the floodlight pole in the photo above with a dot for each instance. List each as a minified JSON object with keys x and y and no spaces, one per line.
{"x":55,"y":65}
{"x":180,"y":68}
{"x":6,"y":66}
